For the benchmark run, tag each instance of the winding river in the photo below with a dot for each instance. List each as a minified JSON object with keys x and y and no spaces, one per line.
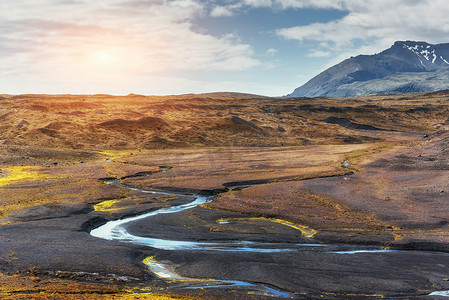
{"x":117,"y":230}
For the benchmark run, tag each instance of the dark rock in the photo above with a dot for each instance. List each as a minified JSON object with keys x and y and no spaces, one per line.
{"x":349,"y":124}
{"x":107,"y":178}
{"x":93,"y":223}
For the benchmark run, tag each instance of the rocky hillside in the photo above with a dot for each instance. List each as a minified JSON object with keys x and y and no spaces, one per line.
{"x":406,"y":67}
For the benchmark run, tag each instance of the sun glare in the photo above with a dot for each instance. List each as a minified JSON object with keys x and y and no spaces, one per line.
{"x":103,"y":57}
{"x":102,"y":62}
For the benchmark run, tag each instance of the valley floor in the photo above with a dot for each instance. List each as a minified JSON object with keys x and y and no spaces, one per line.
{"x":338,"y":204}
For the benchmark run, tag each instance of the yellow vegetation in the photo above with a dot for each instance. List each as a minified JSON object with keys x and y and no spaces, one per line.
{"x":148,"y":260}
{"x":354,"y":295}
{"x":223,"y":221}
{"x":305,"y":230}
{"x":148,"y":296}
{"x":106,"y":206}
{"x":19,"y":173}
{"x":118,"y":154}
{"x":31,"y":287}
{"x":83,"y":296}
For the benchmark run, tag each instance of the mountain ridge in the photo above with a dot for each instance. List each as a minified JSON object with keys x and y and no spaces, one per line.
{"x":354,"y":76}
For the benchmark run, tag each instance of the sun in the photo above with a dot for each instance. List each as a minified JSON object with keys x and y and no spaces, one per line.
{"x":103,"y":57}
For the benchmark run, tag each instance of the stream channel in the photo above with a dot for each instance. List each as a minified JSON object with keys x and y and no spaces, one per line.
{"x":116,"y":230}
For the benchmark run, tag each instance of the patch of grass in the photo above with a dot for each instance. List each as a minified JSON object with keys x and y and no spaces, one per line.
{"x":305,"y":230}
{"x":106,"y":206}
{"x":119,"y":154}
{"x":357,"y":156}
{"x":20,"y":173}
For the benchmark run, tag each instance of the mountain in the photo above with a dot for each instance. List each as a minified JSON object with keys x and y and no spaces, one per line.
{"x":406,"y":67}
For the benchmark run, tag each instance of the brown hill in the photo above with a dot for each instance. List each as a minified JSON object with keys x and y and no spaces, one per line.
{"x":217,"y":119}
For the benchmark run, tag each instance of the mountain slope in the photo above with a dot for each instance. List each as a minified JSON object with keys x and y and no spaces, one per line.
{"x":405,"y":67}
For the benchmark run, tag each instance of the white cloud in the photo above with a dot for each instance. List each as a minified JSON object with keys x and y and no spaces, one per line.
{"x":368,"y":25}
{"x":373,"y":25}
{"x":225,"y":10}
{"x":221,"y":11}
{"x":272,"y":51}
{"x":328,"y":4}
{"x":113,"y":42}
{"x":258,"y":3}
{"x":102,"y":40}
{"x":319,"y":53}
{"x":285,"y":4}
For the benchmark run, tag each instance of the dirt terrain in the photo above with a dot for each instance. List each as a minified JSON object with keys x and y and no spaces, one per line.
{"x":101,"y":122}
{"x":341,"y":173}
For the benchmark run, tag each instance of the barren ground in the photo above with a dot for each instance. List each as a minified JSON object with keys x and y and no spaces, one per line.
{"x":268,"y":160}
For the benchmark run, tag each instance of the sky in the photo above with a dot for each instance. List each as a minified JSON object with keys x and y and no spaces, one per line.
{"x":165,"y":47}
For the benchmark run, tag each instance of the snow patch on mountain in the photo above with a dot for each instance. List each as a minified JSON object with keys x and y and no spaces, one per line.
{"x":424,"y":51}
